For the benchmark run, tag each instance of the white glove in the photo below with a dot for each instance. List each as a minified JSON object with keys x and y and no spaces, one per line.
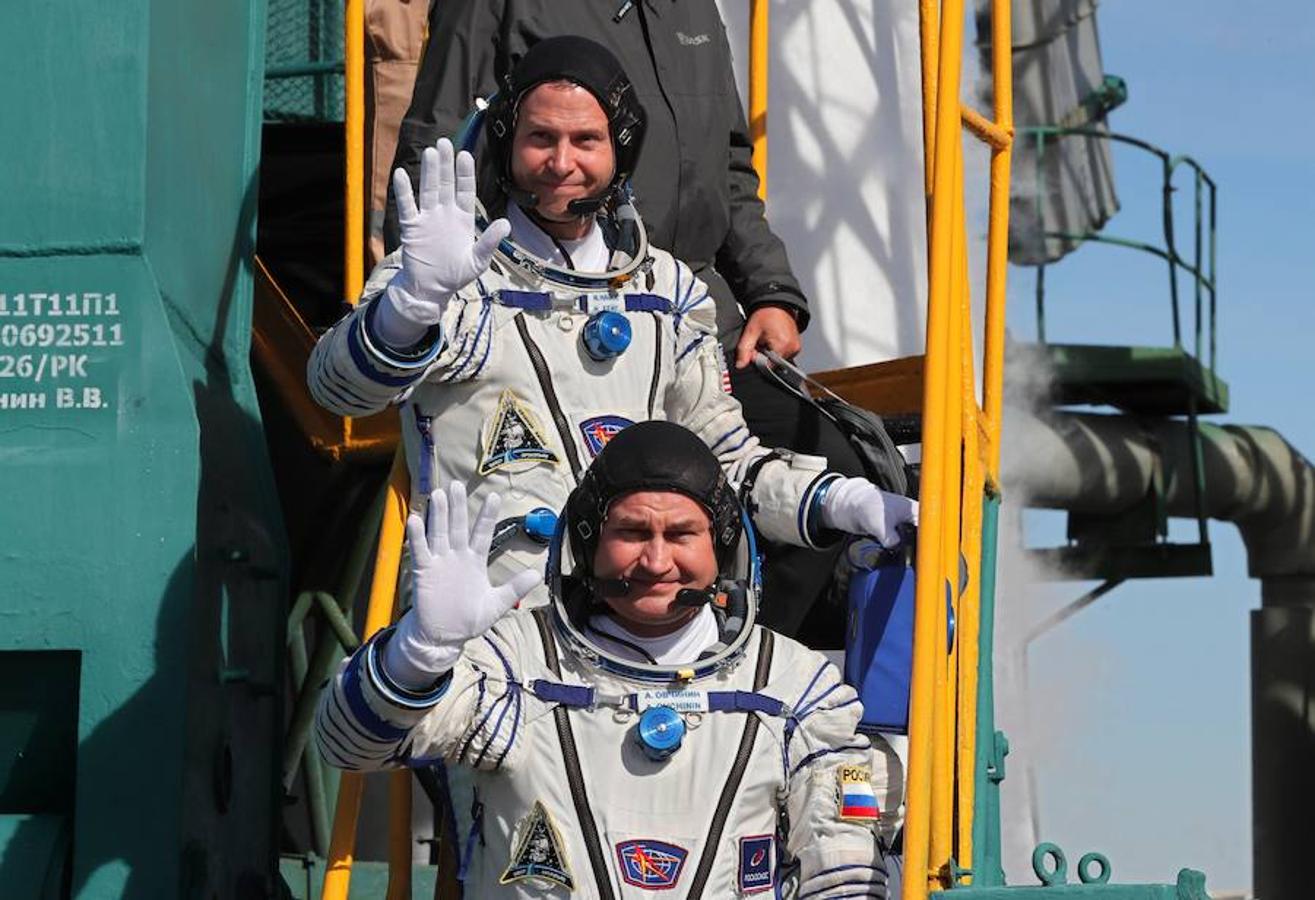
{"x":440,"y":251}
{"x":857,"y":506}
{"x":452,"y":600}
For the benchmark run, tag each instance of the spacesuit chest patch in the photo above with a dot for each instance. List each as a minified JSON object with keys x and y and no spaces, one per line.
{"x":855,"y":796}
{"x":513,"y":438}
{"x":538,"y":854}
{"x":601,"y":429}
{"x":755,"y":864}
{"x":650,"y":864}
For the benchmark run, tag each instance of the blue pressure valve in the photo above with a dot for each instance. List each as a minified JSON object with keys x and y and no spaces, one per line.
{"x":539,"y":524}
{"x":659,"y":732}
{"x":606,"y":335}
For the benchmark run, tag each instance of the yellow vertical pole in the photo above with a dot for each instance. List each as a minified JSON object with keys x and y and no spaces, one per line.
{"x":997,"y":244}
{"x":353,"y":245}
{"x":354,"y":130}
{"x":342,"y":842}
{"x":379,"y":612}
{"x":758,"y":91}
{"x":928,"y":39}
{"x":937,"y":447}
{"x":969,"y":610}
{"x":943,"y":764}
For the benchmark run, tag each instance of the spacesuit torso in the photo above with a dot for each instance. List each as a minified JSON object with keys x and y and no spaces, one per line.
{"x":573,"y":806}
{"x":505,"y":396}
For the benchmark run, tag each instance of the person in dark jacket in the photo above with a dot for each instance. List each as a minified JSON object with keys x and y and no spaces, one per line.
{"x":695,"y":187}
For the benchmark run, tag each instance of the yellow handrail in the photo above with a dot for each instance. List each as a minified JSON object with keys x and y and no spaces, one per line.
{"x":354,"y":131}
{"x":379,"y":612}
{"x":758,"y":91}
{"x":937,"y":436}
{"x":970,"y":547}
{"x":928,"y":41}
{"x":997,"y":242}
{"x":960,"y":450}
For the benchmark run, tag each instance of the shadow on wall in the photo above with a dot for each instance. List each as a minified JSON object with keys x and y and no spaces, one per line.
{"x":845,"y":171}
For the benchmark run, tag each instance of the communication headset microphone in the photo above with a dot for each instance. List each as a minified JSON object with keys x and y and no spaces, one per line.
{"x":619,"y":587}
{"x":694,"y":597}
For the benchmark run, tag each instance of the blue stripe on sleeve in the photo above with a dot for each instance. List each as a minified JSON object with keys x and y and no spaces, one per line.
{"x":367,"y":368}
{"x":726,"y":436}
{"x":360,"y":708}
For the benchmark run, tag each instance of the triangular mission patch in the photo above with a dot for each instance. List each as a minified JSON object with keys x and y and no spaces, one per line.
{"x":513,"y":438}
{"x":538,"y":852}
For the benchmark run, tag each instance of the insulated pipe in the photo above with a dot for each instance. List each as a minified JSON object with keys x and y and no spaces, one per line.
{"x":1084,"y":462}
{"x":1258,"y":481}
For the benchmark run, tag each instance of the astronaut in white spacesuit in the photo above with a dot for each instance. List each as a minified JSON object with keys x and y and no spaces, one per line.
{"x":517,"y":348}
{"x":638,"y":737}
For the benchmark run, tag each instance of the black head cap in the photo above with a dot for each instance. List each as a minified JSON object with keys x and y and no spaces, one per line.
{"x":593,"y":67}
{"x":652,"y":456}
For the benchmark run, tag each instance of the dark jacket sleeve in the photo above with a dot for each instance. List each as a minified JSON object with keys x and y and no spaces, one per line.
{"x":752,"y":258}
{"x":459,"y":63}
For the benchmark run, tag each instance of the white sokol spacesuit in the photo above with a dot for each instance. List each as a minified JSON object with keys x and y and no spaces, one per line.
{"x":584,"y":792}
{"x":519,"y":365}
{"x":505,"y":397}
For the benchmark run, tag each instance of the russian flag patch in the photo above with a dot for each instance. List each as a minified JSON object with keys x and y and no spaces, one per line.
{"x":856,"y":798}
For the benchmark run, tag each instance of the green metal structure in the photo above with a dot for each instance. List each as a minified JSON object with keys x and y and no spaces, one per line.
{"x":1155,"y":381}
{"x":142,"y":564}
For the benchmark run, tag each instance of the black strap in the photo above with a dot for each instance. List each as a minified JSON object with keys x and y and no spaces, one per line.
{"x":864,"y":429}
{"x":731,"y":788}
{"x":571,"y":761}
{"x":657,"y":364}
{"x":751,"y":478}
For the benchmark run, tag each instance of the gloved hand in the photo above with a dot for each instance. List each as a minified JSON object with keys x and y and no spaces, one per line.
{"x":857,"y":506}
{"x":452,"y":600}
{"x":440,"y":252}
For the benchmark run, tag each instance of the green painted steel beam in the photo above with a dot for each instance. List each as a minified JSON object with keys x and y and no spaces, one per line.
{"x":1190,"y":885}
{"x":991,"y":745}
{"x":1143,"y":380}
{"x":143,"y":554}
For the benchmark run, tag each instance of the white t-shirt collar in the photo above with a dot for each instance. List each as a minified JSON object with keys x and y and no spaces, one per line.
{"x":587,"y":254}
{"x":680,"y":647}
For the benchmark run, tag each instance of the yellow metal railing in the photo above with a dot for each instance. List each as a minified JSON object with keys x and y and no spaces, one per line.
{"x":354,"y":134}
{"x":960,"y":450}
{"x":758,"y":51}
{"x":378,"y":615}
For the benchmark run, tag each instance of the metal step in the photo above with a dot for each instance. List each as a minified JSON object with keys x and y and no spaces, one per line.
{"x":1159,"y":381}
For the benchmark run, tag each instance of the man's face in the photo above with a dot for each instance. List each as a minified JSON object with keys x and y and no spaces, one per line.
{"x":660,"y":542}
{"x":561,"y":151}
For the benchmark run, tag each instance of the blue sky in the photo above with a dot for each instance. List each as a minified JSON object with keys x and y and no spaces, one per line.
{"x":1147,"y":729}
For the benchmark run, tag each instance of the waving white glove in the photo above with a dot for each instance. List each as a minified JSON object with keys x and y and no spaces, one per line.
{"x":452,"y":600}
{"x":857,"y":506}
{"x":440,"y":251}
